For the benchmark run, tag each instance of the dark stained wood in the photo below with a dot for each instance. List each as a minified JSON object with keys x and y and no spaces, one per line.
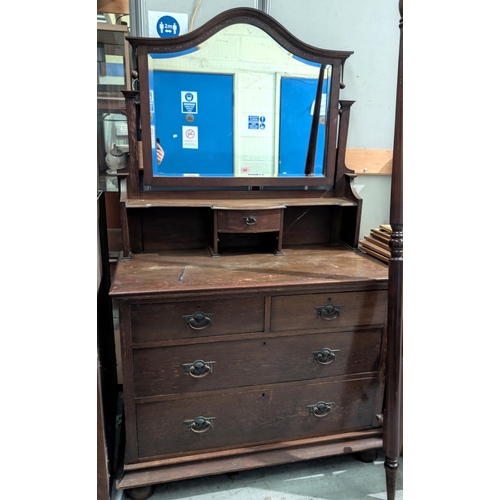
{"x":346,"y":437}
{"x":394,"y":386}
{"x":233,"y":221}
{"x":135,"y":230}
{"x":238,"y":199}
{"x":175,"y":228}
{"x":131,"y":99}
{"x":340,"y":181}
{"x":107,"y":385}
{"x":348,"y":220}
{"x":256,"y":325}
{"x":304,"y":269}
{"x":350,"y":224}
{"x":246,"y":462}
{"x":254,"y":416}
{"x":103,"y":472}
{"x":307,"y":225}
{"x":165,"y":321}
{"x":247,"y":223}
{"x":122,"y":179}
{"x":299,"y":312}
{"x":250,"y":362}
{"x":131,"y":452}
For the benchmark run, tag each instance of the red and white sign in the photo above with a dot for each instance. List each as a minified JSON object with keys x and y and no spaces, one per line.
{"x":190,"y":137}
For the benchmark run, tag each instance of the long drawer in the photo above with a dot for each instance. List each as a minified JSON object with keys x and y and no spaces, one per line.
{"x":219,"y":365}
{"x":192,"y":319}
{"x":323,"y":311}
{"x":256,"y":415}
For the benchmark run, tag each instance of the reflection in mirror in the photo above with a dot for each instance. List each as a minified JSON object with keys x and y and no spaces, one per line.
{"x":237,"y":105}
{"x":115,"y":132}
{"x":116,"y":146}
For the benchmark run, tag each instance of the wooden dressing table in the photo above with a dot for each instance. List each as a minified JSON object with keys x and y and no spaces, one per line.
{"x":253,"y":332}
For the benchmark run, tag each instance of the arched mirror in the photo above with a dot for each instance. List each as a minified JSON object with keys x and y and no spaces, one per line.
{"x":238,"y":102}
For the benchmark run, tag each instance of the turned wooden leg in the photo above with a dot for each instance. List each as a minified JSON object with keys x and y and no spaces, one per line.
{"x":391,"y":473}
{"x":140,"y":493}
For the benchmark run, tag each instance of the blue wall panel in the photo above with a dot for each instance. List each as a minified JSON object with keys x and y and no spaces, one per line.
{"x":297,"y":98}
{"x":211,"y":150}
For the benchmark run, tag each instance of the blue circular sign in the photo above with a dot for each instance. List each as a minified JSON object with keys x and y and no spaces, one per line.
{"x":167,"y":26}
{"x":189,"y":96}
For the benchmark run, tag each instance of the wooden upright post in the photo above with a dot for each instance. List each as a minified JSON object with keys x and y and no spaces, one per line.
{"x":393,"y":388}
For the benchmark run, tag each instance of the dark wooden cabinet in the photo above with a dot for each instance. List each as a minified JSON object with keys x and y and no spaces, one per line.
{"x":107,"y":386}
{"x":253,"y":332}
{"x":226,"y":364}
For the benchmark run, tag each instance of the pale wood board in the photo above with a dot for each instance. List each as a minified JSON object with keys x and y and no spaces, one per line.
{"x":369,"y":161}
{"x":113,"y":6}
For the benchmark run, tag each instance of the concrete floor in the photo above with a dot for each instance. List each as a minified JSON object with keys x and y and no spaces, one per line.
{"x":337,"y":478}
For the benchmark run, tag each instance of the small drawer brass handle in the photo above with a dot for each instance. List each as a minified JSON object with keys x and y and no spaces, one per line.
{"x":321,"y":409}
{"x":200,"y":424}
{"x":199,"y":320}
{"x":328,"y":311}
{"x":325,"y":356}
{"x":250,"y":220}
{"x":199,"y":368}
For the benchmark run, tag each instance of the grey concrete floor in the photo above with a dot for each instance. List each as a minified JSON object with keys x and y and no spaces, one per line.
{"x":336,"y":478}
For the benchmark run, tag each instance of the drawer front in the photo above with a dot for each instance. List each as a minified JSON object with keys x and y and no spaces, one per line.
{"x":254,"y":416}
{"x":220,"y":365}
{"x":324,"y":311}
{"x":248,"y":221}
{"x":178,"y":320}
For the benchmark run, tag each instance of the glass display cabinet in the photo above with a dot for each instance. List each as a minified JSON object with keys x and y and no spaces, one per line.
{"x":113,"y":77}
{"x":253,"y":332}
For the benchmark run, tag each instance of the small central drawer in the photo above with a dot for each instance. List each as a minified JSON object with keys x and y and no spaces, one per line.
{"x":257,"y":415}
{"x":192,"y":319}
{"x":249,"y":221}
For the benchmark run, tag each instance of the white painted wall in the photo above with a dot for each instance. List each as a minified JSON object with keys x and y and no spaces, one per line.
{"x":370,"y":28}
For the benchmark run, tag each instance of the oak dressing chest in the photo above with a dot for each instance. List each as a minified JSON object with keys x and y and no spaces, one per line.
{"x":253,"y":332}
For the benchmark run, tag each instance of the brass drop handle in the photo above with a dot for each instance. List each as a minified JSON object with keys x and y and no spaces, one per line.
{"x":325,"y":356}
{"x":200,"y":424}
{"x":321,"y":409}
{"x":199,"y":320}
{"x":328,"y":312}
{"x":199,"y":368}
{"x":250,"y":220}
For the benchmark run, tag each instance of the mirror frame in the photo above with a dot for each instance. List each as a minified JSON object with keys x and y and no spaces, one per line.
{"x":143,"y":46}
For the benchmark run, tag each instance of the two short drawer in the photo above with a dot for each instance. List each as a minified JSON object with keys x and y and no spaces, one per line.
{"x":198,"y":318}
{"x":194,"y":319}
{"x":255,"y":415}
{"x":329,"y":310}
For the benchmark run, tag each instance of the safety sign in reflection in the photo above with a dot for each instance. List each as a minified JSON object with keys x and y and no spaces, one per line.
{"x":190,"y":137}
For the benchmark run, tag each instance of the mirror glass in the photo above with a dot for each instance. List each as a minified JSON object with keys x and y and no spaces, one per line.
{"x":237,"y":105}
